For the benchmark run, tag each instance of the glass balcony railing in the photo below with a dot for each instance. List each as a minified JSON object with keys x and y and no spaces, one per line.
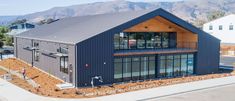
{"x":179,"y":47}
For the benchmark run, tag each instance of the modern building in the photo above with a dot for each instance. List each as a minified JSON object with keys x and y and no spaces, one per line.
{"x":223,"y":29}
{"x":20,"y":28}
{"x":119,"y":47}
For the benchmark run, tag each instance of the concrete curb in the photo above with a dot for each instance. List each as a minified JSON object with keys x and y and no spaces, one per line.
{"x":14,"y":93}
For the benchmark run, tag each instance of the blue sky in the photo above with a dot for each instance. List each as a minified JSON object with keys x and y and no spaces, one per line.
{"x":21,"y":7}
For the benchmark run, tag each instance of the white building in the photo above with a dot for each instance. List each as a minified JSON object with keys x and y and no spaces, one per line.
{"x":224,"y":29}
{"x":20,"y":28}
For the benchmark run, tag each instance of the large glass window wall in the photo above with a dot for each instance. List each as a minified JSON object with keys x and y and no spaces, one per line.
{"x":143,"y":40}
{"x":152,"y":66}
{"x":134,"y":68}
{"x":176,"y":65}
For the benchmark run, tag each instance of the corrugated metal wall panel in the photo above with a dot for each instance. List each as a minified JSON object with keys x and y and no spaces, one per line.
{"x":208,"y":54}
{"x":23,"y":54}
{"x":46,"y":63}
{"x":97,"y":53}
{"x":96,"y":50}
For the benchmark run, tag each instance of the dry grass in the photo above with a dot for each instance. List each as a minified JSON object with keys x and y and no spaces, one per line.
{"x":48,"y":88}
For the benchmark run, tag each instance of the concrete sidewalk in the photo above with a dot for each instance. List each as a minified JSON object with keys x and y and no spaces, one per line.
{"x":10,"y":92}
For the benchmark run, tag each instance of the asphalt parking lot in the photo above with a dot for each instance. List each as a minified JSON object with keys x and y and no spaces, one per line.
{"x":227,"y":60}
{"x":224,"y":93}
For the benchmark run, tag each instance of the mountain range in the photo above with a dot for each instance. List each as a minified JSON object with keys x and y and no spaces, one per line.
{"x":189,"y":10}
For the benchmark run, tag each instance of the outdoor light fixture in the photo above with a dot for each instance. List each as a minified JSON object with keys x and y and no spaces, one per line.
{"x":97,"y":78}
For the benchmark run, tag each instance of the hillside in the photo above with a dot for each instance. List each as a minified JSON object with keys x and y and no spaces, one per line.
{"x":4,"y":20}
{"x":190,"y":10}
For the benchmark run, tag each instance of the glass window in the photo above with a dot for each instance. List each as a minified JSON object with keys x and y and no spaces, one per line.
{"x":63,"y":59}
{"x":183,"y":64}
{"x":135,"y":68}
{"x":116,"y":41}
{"x":63,"y":50}
{"x":177,"y":65}
{"x":230,"y":27}
{"x":165,"y":40}
{"x":220,"y":27}
{"x":126,"y":69}
{"x":144,"y":40}
{"x":123,"y":41}
{"x":169,"y":66}
{"x":118,"y":70}
{"x":61,"y":63}
{"x":144,"y":67}
{"x":162,"y":72}
{"x":118,"y":60}
{"x":152,"y":58}
{"x":172,"y":40}
{"x":64,"y":64}
{"x":190,"y":56}
{"x":36,"y":44}
{"x":163,"y":57}
{"x":132,"y":41}
{"x":140,"y":37}
{"x":158,"y":40}
{"x":150,"y":40}
{"x":210,"y":27}
{"x":152,"y":67}
{"x":36,"y":51}
{"x":190,"y":64}
{"x":36,"y":55}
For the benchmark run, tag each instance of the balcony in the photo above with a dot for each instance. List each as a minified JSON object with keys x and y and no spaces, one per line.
{"x":180,"y":47}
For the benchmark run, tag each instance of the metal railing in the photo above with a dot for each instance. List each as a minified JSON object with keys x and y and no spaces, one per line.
{"x":160,"y":46}
{"x":172,"y":48}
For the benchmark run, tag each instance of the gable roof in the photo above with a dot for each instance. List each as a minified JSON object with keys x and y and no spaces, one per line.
{"x":77,"y":29}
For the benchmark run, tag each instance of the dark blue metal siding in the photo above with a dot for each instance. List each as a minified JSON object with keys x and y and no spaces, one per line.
{"x":97,"y":52}
{"x":208,"y":54}
{"x":99,"y":49}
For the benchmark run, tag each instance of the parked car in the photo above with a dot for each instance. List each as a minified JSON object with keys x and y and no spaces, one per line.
{"x":7,"y":50}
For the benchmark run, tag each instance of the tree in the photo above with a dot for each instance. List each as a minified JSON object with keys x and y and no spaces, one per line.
{"x":4,"y":38}
{"x":199,"y":23}
{"x":47,"y":21}
{"x":9,"y":41}
{"x":215,"y":15}
{"x":19,"y":21}
{"x":3,"y":30}
{"x":1,"y":44}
